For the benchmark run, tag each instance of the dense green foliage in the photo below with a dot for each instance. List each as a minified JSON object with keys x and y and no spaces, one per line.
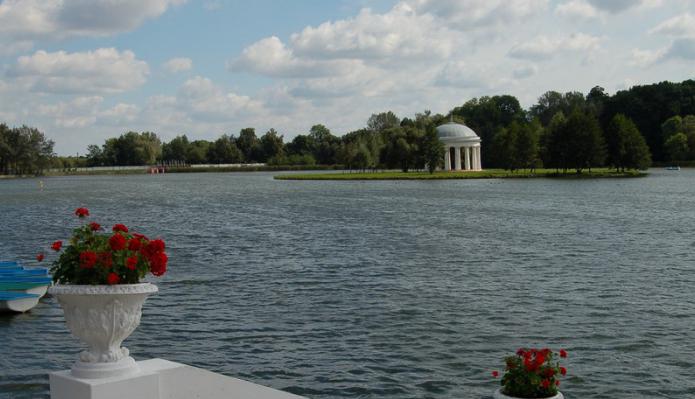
{"x":24,"y":150}
{"x":565,"y":131}
{"x":481,"y":174}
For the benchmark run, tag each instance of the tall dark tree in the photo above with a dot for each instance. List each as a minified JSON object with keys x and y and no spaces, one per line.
{"x":625,"y":146}
{"x":272,"y":146}
{"x":432,"y":149}
{"x":382,"y":121}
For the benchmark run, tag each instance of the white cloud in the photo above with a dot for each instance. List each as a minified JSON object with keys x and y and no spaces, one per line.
{"x":576,"y":9}
{"x":203,"y":99}
{"x":525,"y":71}
{"x":78,"y":113}
{"x":398,"y":34}
{"x":614,"y":6}
{"x":180,"y":64}
{"x":14,"y":47}
{"x":104,"y":70}
{"x":678,"y":26}
{"x":53,"y":19}
{"x":119,"y":114}
{"x":474,"y":14}
{"x":463,"y":75}
{"x":271,"y":57}
{"x":544,"y":47}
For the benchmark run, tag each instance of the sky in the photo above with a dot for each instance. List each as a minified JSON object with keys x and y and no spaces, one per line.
{"x":85,"y":70}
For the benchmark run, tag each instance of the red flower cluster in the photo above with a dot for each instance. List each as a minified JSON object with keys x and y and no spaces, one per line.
{"x":532,"y":373}
{"x":122,"y":257}
{"x":117,"y":242}
{"x":88,"y":259}
{"x":120,"y":227}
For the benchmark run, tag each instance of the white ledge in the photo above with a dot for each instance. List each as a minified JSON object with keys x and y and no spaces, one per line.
{"x":161,"y":379}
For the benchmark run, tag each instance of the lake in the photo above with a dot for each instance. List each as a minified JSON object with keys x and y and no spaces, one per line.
{"x":391,"y":289}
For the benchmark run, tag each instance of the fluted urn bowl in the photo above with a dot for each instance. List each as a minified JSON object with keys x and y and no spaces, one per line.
{"x":499,"y":395}
{"x":102,"y":316}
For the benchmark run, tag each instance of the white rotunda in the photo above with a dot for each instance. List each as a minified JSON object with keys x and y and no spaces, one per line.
{"x":462,"y":147}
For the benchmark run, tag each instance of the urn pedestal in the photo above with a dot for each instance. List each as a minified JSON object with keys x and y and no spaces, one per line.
{"x":102,"y":316}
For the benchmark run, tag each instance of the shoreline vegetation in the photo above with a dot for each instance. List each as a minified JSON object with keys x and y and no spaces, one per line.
{"x":482,"y":174}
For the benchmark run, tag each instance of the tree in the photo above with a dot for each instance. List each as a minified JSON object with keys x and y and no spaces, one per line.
{"x":176,"y":150}
{"x":626,"y":148}
{"x":382,"y":121}
{"x":249,"y":145}
{"x":432,"y":149}
{"x":585,"y":139}
{"x":272,"y":146}
{"x":676,"y":147}
{"x":224,"y":150}
{"x":526,"y":151}
{"x":323,"y":144}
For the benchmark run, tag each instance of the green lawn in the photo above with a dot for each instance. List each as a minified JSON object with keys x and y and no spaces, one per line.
{"x":484,"y":174}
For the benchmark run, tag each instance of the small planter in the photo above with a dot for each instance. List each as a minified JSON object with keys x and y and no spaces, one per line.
{"x":102,"y":316}
{"x":499,"y":395}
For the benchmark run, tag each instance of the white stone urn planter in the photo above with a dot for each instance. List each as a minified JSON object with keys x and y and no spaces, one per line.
{"x":102,"y":316}
{"x":499,"y":395}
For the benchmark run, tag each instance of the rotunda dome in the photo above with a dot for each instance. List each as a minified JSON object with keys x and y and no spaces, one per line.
{"x":455,"y":130}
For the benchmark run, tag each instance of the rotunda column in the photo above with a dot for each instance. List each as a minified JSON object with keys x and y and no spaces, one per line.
{"x":480,"y":164}
{"x":467,"y":157}
{"x":447,"y":159}
{"x":457,"y":158}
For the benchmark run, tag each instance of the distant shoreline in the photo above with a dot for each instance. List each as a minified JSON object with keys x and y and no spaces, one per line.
{"x":483,"y":174}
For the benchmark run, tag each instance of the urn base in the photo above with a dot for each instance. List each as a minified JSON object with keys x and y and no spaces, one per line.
{"x":123,"y":367}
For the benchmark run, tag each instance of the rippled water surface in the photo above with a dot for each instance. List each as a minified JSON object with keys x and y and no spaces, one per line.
{"x":384,"y":289}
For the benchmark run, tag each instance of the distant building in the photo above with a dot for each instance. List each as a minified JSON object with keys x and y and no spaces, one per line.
{"x":462,"y":147}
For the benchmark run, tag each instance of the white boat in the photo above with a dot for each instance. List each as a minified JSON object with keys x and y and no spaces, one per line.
{"x":17,"y":301}
{"x":673,"y":168}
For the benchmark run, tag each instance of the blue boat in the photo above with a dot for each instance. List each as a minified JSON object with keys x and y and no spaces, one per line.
{"x":24,"y":272}
{"x":17,"y":301}
{"x":21,"y":287}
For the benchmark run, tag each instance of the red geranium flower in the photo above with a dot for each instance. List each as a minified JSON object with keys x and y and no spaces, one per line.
{"x":131,"y":262}
{"x":117,"y":242}
{"x":112,"y":279}
{"x":39,"y":257}
{"x":158,"y":264}
{"x":152,"y":248}
{"x":134,"y":244}
{"x":57,"y":245}
{"x":106,"y":259}
{"x":120,"y":227}
{"x":82,"y":212}
{"x":545,"y":384}
{"x":557,"y":383}
{"x":520,"y":351}
{"x":563,"y":370}
{"x":549,"y":372}
{"x":563,"y":353}
{"x":94,"y":226}
{"x":495,"y":373}
{"x":88,"y":259}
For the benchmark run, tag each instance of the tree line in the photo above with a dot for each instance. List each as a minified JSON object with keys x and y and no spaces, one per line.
{"x":566,"y":131}
{"x":24,"y":150}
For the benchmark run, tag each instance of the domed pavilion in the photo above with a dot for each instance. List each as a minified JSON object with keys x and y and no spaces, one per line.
{"x":462,"y":147}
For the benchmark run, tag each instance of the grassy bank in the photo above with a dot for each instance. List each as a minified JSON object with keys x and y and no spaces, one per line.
{"x":483,"y":174}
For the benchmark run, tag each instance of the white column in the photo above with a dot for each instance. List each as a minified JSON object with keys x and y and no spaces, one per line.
{"x":480,"y":162}
{"x":475,"y":158}
{"x":457,"y":158}
{"x":447,"y":159}
{"x":467,"y":156}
